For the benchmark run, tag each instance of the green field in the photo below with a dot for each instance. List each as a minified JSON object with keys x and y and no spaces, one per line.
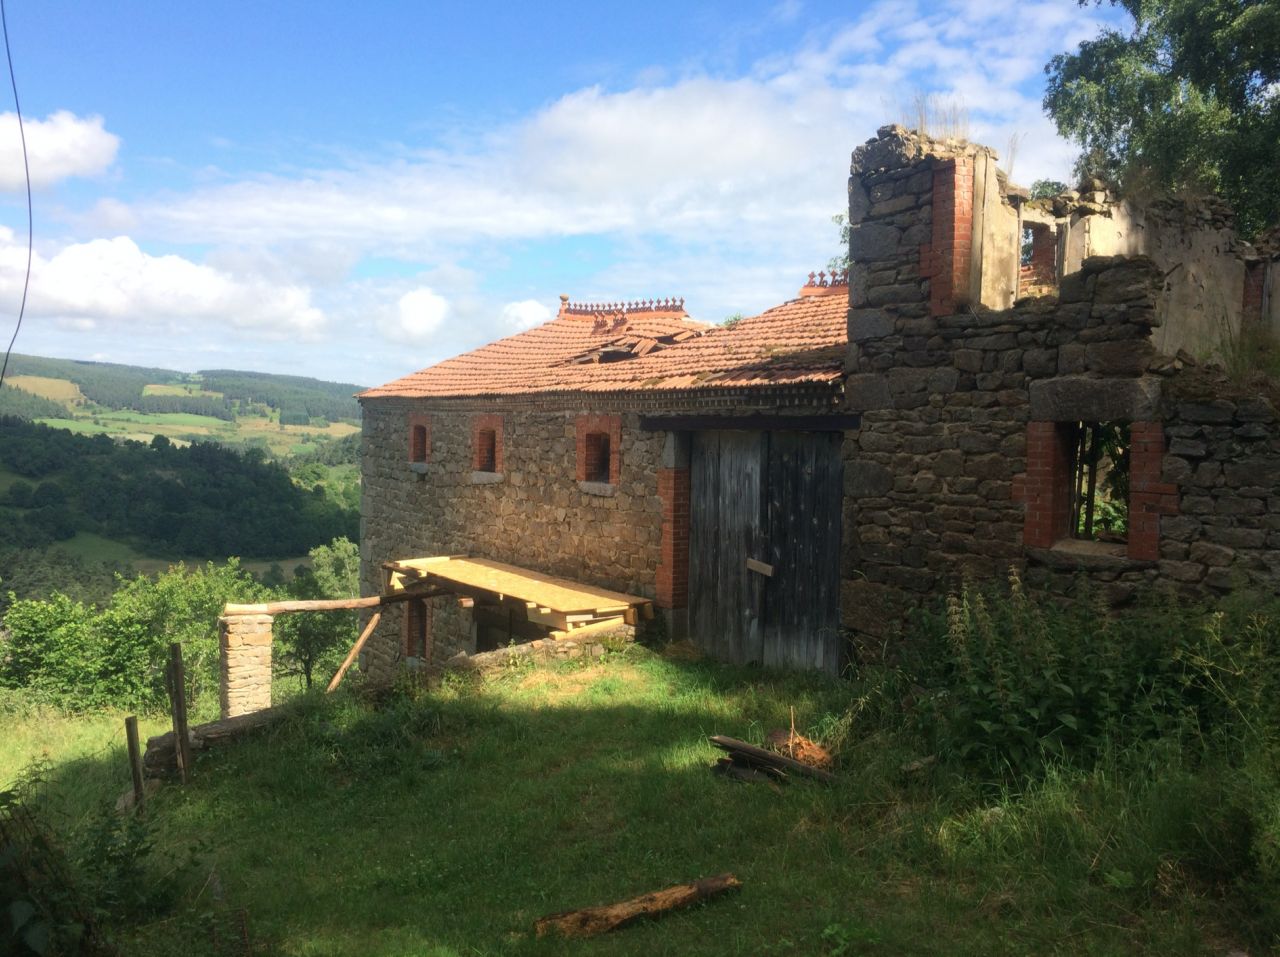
{"x":179,"y":389}
{"x":182,"y":426}
{"x":59,"y":390}
{"x":447,"y":823}
{"x":94,"y":548}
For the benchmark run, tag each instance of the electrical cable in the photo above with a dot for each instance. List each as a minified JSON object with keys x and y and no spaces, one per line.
{"x":26,"y":166}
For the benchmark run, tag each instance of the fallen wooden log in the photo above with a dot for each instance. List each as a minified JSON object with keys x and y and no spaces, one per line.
{"x":160,"y":758}
{"x":750,"y":754}
{"x":729,"y":768}
{"x":590,"y":921}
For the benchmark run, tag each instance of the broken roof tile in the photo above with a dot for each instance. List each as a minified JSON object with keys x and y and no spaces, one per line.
{"x":647,"y":346}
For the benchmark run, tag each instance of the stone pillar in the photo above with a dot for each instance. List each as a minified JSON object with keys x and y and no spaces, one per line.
{"x":244,"y":644}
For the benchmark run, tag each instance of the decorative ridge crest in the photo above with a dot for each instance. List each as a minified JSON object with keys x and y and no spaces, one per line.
{"x":823,"y":283}
{"x":613,"y":310}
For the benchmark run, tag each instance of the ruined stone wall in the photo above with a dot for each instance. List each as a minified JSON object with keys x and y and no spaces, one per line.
{"x":942,"y":480}
{"x":1224,"y":456}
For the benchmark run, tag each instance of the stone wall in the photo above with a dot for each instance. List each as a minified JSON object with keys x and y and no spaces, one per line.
{"x":630,"y":535}
{"x":942,"y":480}
{"x":1224,"y":456}
{"x":536,"y":514}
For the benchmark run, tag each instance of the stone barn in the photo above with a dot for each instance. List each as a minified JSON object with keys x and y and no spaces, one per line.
{"x":1000,"y":383}
{"x":624,"y":445}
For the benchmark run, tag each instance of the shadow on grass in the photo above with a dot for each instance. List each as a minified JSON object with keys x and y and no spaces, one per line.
{"x":447,"y":822}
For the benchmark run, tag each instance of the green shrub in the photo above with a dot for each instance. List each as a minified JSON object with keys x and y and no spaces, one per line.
{"x":1007,"y":681}
{"x":69,"y":654}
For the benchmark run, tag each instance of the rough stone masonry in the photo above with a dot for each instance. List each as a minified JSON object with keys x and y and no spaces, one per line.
{"x":958,"y":467}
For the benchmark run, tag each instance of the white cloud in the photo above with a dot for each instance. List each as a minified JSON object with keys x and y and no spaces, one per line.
{"x":58,"y":147}
{"x":750,"y":161}
{"x":519,"y":316}
{"x":114,"y":283}
{"x":419,"y":315}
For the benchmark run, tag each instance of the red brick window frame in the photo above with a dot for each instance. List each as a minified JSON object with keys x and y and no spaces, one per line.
{"x":486,"y":444}
{"x":1045,"y":489}
{"x":599,"y":448}
{"x":419,"y":438}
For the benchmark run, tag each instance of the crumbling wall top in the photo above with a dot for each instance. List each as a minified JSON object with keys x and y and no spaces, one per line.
{"x":894,"y":147}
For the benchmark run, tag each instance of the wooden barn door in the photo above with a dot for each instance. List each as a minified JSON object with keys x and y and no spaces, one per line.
{"x":774,"y":498}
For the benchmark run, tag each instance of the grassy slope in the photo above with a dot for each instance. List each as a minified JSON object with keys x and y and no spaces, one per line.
{"x":445,"y":826}
{"x":59,"y":390}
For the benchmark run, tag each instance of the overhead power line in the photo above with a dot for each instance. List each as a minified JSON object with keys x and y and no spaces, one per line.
{"x":26,"y":167}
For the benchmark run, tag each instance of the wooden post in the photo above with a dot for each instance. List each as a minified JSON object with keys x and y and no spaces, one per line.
{"x":178,"y":702}
{"x":355,"y":650}
{"x":135,"y":759}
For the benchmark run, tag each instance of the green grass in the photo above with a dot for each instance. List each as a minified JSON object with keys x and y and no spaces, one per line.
{"x":95,"y":548}
{"x":87,"y":749}
{"x":445,"y":823}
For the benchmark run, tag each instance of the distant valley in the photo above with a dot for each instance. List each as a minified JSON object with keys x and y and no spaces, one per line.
{"x":110,"y":468}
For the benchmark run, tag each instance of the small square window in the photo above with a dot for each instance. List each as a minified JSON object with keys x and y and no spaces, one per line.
{"x":487,"y":450}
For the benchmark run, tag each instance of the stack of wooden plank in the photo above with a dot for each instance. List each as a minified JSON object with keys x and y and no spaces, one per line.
{"x":565,"y":608}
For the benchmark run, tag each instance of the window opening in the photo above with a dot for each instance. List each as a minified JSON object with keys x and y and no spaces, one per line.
{"x":418,"y":444}
{"x":1038,"y":258}
{"x":1028,"y":246}
{"x":487,"y":450}
{"x":417,"y":629}
{"x":1100,"y":481}
{"x":597,"y":455}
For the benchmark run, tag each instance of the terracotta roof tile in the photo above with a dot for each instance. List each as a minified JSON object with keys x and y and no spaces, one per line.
{"x":628,"y":350}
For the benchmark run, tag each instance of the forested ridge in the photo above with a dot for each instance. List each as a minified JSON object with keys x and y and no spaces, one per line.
{"x":298,"y":398}
{"x":202,"y":500}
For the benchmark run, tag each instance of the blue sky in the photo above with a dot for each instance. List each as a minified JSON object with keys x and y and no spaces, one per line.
{"x":355,"y":191}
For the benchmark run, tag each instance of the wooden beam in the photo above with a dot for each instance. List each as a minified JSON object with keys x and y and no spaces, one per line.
{"x":324,"y":604}
{"x":836,"y":422}
{"x":762,"y":567}
{"x":135,"y":760}
{"x":760,"y":756}
{"x":590,"y":921}
{"x":355,"y":650}
{"x":177,"y":674}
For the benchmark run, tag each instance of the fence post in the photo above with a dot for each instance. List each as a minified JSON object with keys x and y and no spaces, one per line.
{"x":177,"y":681}
{"x":135,"y":759}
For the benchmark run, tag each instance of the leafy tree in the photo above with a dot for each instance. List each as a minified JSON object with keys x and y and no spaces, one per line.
{"x":841,"y":262}
{"x":79,"y":657}
{"x":1047,"y":189}
{"x":1189,"y":98}
{"x":311,"y":639}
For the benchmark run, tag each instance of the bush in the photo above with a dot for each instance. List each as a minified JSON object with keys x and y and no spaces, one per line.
{"x":74,"y":656}
{"x":1007,"y":681}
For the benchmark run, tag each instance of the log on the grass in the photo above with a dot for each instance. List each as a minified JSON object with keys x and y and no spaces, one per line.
{"x":590,"y":921}
{"x":160,"y":758}
{"x":750,"y":754}
{"x":729,"y":768}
